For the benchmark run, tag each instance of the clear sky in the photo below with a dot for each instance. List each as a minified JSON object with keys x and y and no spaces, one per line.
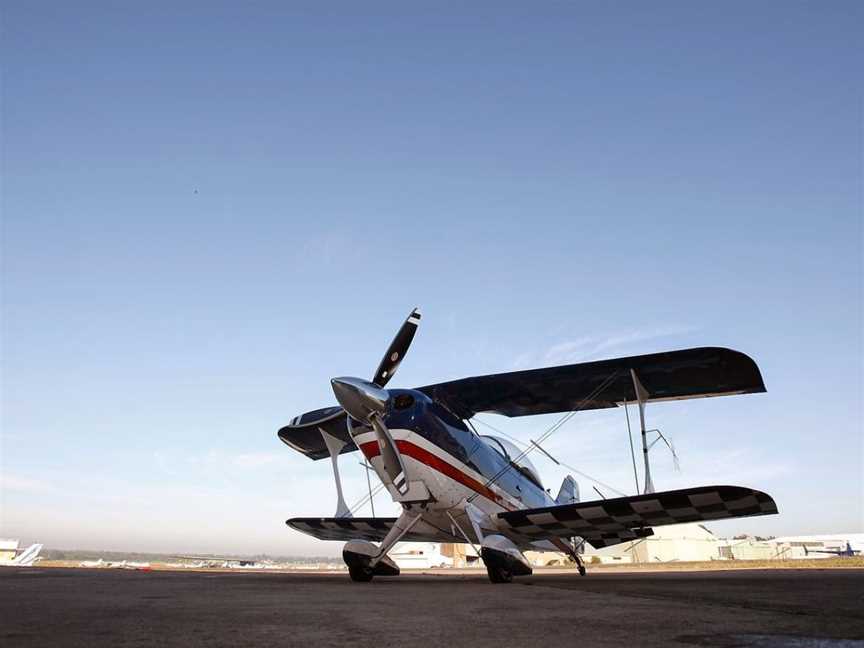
{"x":209,"y":210}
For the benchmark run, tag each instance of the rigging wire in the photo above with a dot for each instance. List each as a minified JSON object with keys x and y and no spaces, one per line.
{"x":568,"y":466}
{"x":366,"y":469}
{"x":368,"y":497}
{"x":499,"y":431}
{"x":554,"y":428}
{"x":632,"y":451}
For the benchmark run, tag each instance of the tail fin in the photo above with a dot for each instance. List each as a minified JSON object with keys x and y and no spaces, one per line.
{"x":27,"y":557}
{"x":569,"y":492}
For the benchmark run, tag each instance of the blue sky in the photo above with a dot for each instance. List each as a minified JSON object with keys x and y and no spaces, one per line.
{"x":209,"y":210}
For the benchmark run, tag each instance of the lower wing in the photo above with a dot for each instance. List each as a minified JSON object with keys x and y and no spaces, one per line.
{"x":611,"y":521}
{"x":373,"y":529}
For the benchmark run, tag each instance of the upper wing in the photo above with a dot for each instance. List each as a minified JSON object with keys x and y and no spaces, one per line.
{"x":689,"y":373}
{"x":608,"y":522}
{"x":374,"y":529}
{"x":303,"y":433}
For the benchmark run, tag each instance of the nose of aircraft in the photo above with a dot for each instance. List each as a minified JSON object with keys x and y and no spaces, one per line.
{"x":359,"y":397}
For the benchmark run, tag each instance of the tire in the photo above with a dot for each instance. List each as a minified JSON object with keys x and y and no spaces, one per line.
{"x":492,"y":573}
{"x":360,"y":574}
{"x":581,"y":570}
{"x":498,"y":575}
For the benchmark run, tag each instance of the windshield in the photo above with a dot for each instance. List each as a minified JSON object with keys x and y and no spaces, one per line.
{"x":511,"y":451}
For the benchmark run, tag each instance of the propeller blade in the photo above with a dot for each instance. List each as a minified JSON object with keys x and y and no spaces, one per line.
{"x":397,"y":350}
{"x":393,"y":465}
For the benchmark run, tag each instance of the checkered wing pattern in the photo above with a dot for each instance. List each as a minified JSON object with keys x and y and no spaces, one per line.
{"x":609,"y":522}
{"x":372,"y":529}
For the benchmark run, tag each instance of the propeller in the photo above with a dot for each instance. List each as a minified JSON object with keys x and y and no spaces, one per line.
{"x":368,"y":401}
{"x":397,"y":349}
{"x":359,"y":397}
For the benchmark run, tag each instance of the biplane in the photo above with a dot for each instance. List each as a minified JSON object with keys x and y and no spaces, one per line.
{"x":456,"y":485}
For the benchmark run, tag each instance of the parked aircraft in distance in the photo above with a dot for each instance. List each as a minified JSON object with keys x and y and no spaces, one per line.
{"x":224,"y":561}
{"x":25,"y":557}
{"x":846,"y":551}
{"x":455,"y":485}
{"x":113,"y":564}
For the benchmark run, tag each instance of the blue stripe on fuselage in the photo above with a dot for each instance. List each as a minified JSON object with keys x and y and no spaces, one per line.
{"x":437,"y":425}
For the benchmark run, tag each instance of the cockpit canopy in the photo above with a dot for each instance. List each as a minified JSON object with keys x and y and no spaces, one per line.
{"x":511,"y":452}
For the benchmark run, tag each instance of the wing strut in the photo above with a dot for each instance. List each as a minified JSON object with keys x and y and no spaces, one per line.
{"x":334,"y":447}
{"x":642,"y":396}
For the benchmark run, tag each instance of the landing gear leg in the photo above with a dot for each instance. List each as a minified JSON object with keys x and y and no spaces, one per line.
{"x":581,"y":566}
{"x":573,"y":551}
{"x":404,"y":523}
{"x":365,"y":560}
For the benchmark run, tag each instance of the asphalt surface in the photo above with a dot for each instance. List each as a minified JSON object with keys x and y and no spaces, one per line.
{"x":109,"y":607}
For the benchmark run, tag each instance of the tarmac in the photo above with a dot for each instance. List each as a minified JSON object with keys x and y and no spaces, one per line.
{"x":109,"y":607}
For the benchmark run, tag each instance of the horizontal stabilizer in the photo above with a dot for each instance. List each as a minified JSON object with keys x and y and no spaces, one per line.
{"x":608,"y":522}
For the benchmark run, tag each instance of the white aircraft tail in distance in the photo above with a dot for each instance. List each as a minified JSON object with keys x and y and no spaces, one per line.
{"x":26,"y":557}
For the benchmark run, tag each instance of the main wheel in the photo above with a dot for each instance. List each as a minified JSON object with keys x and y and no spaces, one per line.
{"x":581,"y":570}
{"x":360,"y":574}
{"x":499,"y":575}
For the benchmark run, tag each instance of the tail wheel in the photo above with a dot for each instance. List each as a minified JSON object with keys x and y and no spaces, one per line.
{"x":360,"y":574}
{"x":499,"y":575}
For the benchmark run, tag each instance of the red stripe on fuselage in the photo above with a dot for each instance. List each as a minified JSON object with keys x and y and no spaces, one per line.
{"x":422,"y":455}
{"x":370,"y":449}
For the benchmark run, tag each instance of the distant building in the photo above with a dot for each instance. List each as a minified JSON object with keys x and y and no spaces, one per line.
{"x":461,"y":555}
{"x":678,"y":543}
{"x":8,"y":549}
{"x":681,"y":542}
{"x":547,"y":558}
{"x":750,"y":548}
{"x":419,"y":555}
{"x":694,"y":542}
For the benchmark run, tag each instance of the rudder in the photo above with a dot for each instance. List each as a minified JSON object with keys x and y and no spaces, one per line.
{"x":569,"y":492}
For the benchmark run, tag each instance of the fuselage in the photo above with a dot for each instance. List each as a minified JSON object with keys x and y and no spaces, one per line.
{"x":456,"y":465}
